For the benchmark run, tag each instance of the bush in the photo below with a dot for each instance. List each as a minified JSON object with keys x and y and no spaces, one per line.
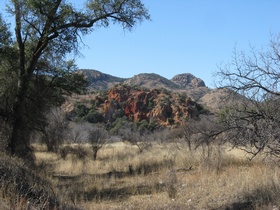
{"x":77,"y":152}
{"x":93,"y":117}
{"x":81,"y":110}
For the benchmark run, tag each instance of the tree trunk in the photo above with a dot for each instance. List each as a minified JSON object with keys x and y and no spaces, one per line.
{"x":95,"y":150}
{"x":19,"y":140}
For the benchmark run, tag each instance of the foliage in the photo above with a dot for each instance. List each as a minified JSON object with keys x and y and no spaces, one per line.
{"x":83,"y":113}
{"x":118,"y":124}
{"x":81,"y":110}
{"x":94,"y":116}
{"x":39,"y":74}
{"x":150,"y":104}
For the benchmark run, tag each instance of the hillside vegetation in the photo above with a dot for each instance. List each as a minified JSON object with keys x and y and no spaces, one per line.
{"x":156,"y":106}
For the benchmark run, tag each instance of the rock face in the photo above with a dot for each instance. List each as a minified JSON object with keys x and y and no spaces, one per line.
{"x":161,"y":106}
{"x":188,"y":81}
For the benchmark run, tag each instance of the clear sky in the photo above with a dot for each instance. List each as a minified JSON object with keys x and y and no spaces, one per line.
{"x":184,"y":36}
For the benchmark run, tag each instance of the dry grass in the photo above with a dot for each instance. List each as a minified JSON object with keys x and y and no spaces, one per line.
{"x":167,"y":176}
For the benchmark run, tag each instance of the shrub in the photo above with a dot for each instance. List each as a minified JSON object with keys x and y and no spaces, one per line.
{"x":77,"y":152}
{"x":93,"y":117}
{"x":81,"y":110}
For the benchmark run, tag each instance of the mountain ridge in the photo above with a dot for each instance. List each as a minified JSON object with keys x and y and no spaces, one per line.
{"x":99,"y":80}
{"x":102,"y":81}
{"x":146,"y":98}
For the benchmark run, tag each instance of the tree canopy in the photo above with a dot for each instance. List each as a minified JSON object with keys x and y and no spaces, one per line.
{"x":34,"y":67}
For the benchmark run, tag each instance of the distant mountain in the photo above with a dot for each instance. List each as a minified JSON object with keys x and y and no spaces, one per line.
{"x":216,"y":99}
{"x":188,"y":81}
{"x":144,"y":95}
{"x":152,"y":81}
{"x":100,"y":81}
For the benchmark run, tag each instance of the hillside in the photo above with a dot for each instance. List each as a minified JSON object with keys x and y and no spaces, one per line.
{"x":159,"y":107}
{"x":100,"y":81}
{"x":193,"y":87}
{"x":188,"y":80}
{"x":215,"y":99}
{"x":151,"y":81}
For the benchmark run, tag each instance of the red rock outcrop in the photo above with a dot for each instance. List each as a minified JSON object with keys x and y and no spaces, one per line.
{"x":165,"y":107}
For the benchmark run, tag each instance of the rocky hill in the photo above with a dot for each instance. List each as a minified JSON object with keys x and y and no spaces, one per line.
{"x":164,"y":107}
{"x":216,"y":99}
{"x":188,"y":81}
{"x":183,"y":84}
{"x":158,"y":106}
{"x":151,"y":81}
{"x":100,"y":81}
{"x":195,"y":87}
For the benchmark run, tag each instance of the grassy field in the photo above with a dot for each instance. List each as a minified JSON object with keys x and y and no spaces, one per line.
{"x":166,"y":176}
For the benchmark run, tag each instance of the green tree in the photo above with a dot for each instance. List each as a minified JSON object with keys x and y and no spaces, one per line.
{"x":45,"y":33}
{"x":81,"y":110}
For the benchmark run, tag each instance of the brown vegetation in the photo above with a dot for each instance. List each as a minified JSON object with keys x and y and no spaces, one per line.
{"x":167,"y":176}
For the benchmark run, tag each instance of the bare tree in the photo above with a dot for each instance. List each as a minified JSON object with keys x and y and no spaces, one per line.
{"x":78,"y":132}
{"x":201,"y":131}
{"x":161,"y":135}
{"x":184,"y":132}
{"x":253,"y":123}
{"x":53,"y":135}
{"x":97,"y":137}
{"x":139,"y":138}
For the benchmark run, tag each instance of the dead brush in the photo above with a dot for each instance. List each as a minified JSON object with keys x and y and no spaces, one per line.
{"x":22,"y":188}
{"x":171,"y":183}
{"x":167,"y":178}
{"x":148,"y":167}
{"x":77,"y":153}
{"x":212,"y":157}
{"x":19,"y":183}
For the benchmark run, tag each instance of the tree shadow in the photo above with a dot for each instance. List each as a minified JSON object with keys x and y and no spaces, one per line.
{"x":118,"y":193}
{"x":248,"y":205}
{"x":68,"y":182}
{"x":261,"y":198}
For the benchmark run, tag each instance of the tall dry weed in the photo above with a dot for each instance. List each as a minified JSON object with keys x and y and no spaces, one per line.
{"x":168,"y":176}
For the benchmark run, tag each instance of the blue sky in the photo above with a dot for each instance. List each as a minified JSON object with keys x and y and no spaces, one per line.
{"x":184,"y":36}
